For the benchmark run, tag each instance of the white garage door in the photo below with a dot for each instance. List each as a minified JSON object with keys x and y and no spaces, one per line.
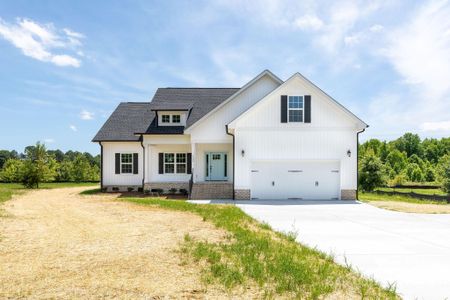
{"x":295,"y":180}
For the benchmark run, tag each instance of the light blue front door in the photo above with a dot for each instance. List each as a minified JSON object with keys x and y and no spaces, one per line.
{"x":216,"y":163}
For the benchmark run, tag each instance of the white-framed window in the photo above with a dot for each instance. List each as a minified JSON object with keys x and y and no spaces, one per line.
{"x":126,"y":163}
{"x":295,"y":109}
{"x":175,"y":163}
{"x":176,"y":118}
{"x":165,"y":118}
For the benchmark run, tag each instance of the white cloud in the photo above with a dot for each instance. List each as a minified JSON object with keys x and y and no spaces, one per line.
{"x":420,"y":50}
{"x":436,"y":126}
{"x":49,"y":140}
{"x":40,"y":40}
{"x":376,"y":28}
{"x":352,"y":40}
{"x":86,"y":115}
{"x":73,"y":128}
{"x":308,"y":22}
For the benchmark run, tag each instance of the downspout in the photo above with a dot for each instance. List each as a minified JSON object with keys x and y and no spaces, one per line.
{"x":101,"y":166}
{"x":234,"y":156}
{"x":143,"y":161}
{"x":357,"y":161}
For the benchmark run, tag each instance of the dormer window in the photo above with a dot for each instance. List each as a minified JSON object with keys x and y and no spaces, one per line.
{"x":165,"y":118}
{"x":176,"y":118}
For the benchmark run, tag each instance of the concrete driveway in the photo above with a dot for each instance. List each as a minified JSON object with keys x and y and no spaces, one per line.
{"x":411,"y":250}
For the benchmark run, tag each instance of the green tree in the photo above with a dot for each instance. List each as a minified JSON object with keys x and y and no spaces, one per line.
{"x":443,"y":172}
{"x":409,"y":143}
{"x":12,"y":171}
{"x":81,"y":168}
{"x":39,"y":166}
{"x":414,"y":173}
{"x":397,"y":160}
{"x":371,"y":173}
{"x":65,"y":171}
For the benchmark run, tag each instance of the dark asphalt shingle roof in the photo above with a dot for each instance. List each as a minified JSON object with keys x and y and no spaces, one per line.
{"x":138,"y":117}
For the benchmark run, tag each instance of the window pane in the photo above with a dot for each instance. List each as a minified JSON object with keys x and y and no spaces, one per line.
{"x":181,"y":168}
{"x":181,"y":157}
{"x":165,"y":118}
{"x":216,"y":156}
{"x":168,"y":157}
{"x":169,"y":168}
{"x":295,"y":101}
{"x":296,"y":116}
{"x":127,"y":168}
{"x":176,"y":119}
{"x":126,"y":157}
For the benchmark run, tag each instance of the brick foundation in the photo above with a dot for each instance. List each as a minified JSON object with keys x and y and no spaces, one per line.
{"x":121,"y":188}
{"x":212,"y":190}
{"x":166,"y":186}
{"x":242,"y":194}
{"x":348,"y":194}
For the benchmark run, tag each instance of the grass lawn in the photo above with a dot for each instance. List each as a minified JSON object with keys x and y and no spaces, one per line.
{"x":255,"y":254}
{"x":417,"y":191}
{"x":405,"y":203}
{"x":7,"y":190}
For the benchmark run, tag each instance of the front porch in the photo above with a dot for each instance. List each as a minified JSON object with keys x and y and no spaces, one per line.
{"x":204,"y":170}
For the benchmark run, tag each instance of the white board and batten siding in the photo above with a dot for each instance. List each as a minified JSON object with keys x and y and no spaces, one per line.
{"x":110,"y":178}
{"x":264,"y":138}
{"x":212,"y":128}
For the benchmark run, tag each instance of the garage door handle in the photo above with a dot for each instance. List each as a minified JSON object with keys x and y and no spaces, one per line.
{"x":317,"y":183}
{"x":273,"y":183}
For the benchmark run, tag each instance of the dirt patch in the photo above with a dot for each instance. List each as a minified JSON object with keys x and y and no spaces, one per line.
{"x":412,"y":207}
{"x":58,"y":244}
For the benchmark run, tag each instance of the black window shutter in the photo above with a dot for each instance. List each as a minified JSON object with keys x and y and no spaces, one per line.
{"x":307,"y":108}
{"x":161,"y":163}
{"x":283,"y":109}
{"x":135,"y":163}
{"x":117,"y":163}
{"x":189,"y":163}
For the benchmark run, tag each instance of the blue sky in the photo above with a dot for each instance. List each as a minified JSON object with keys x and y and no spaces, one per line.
{"x":65,"y":65}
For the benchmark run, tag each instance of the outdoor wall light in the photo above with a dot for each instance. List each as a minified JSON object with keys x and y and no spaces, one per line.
{"x":349,"y":153}
{"x":243,"y":152}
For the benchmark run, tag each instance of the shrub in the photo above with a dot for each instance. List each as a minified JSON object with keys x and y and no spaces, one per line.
{"x":172,"y":190}
{"x":183,"y":191}
{"x":158,"y":191}
{"x":115,"y":189}
{"x":371,"y":173}
{"x":12,"y":171}
{"x":146,"y":191}
{"x":140,"y":190}
{"x":130,"y":189}
{"x":398,"y":180}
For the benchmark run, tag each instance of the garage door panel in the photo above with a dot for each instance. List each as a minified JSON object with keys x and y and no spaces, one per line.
{"x":295,"y":180}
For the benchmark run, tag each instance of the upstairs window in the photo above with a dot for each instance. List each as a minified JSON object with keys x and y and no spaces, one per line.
{"x":295,"y":108}
{"x":176,"y":118}
{"x":165,"y":118}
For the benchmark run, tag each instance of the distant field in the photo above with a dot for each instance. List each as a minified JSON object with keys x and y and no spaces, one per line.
{"x":7,"y":190}
{"x":417,"y":191}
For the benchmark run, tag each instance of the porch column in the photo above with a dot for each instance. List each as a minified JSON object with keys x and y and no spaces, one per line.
{"x":194,"y":160}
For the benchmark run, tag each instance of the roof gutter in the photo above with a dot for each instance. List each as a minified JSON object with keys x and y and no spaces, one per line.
{"x":101,"y":166}
{"x":143,"y":162}
{"x":234,"y":160}
{"x":357,"y":161}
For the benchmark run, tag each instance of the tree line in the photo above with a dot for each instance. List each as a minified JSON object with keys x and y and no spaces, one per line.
{"x":406,"y":159}
{"x":37,"y":164}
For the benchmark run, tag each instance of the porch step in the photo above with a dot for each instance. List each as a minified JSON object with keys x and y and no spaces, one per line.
{"x":212,"y":190}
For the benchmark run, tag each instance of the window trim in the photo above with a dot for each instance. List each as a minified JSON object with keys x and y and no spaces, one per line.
{"x":130,"y":163}
{"x":174,"y":163}
{"x":302,"y":109}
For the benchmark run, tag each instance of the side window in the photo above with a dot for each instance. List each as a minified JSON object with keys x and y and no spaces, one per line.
{"x":169,"y":163}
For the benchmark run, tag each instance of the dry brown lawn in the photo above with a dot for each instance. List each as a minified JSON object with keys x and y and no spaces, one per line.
{"x":58,"y":244}
{"x":413,"y":207}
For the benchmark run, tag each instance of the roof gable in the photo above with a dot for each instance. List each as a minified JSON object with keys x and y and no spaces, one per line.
{"x":310,"y":85}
